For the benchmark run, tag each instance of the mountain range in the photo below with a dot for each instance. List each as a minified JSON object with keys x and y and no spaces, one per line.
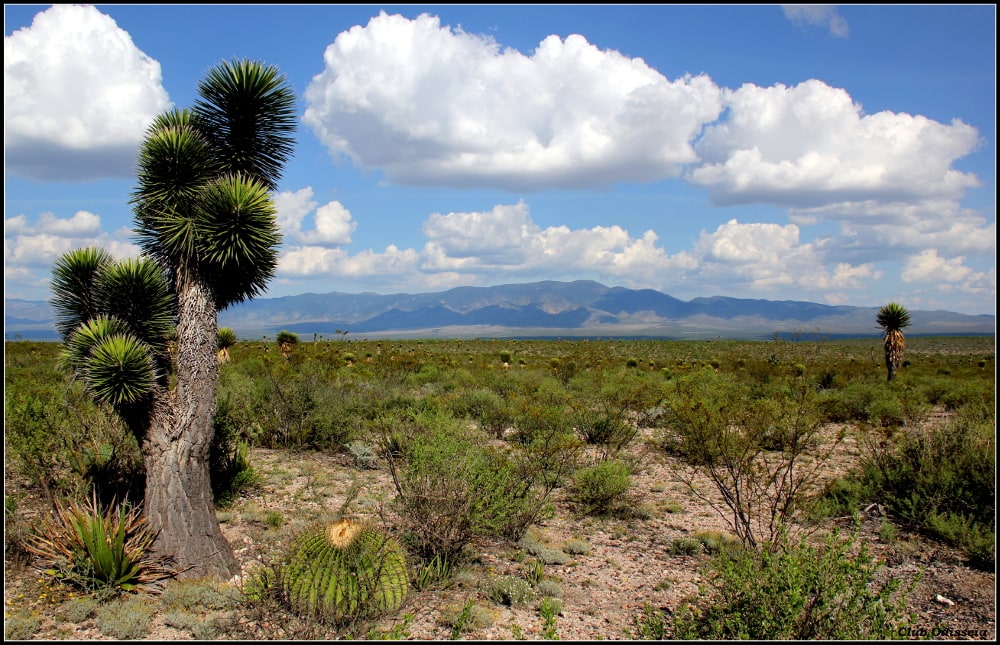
{"x":582,"y":308}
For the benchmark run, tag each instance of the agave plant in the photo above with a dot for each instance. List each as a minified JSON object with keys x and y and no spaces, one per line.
{"x":100,"y":549}
{"x":892,"y":318}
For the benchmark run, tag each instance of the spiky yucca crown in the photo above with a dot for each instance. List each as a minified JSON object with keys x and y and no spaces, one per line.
{"x":344,"y":571}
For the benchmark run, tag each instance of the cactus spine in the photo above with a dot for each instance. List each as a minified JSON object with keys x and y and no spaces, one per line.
{"x":344,"y":571}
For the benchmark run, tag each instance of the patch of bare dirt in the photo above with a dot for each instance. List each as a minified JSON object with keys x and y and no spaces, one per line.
{"x":628,"y":565}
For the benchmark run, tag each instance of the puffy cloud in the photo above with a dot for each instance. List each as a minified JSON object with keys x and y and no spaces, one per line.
{"x":500,"y":236}
{"x":30,"y":249}
{"x":312,"y":261}
{"x":928,"y":266}
{"x":819,"y":15}
{"x":332,"y":222}
{"x":78,"y":96}
{"x":809,"y":145}
{"x":431,"y":105}
{"x":894,"y":228}
{"x":770,"y":258}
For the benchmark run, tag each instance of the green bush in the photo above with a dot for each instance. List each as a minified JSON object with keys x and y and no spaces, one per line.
{"x":451,"y":489}
{"x":939,"y":479}
{"x":798,"y":592}
{"x":77,"y":610}
{"x":601,"y":488}
{"x":759,"y":445}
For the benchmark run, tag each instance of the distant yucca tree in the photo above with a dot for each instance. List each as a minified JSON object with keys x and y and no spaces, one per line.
{"x":227,"y":338}
{"x":893,"y":318}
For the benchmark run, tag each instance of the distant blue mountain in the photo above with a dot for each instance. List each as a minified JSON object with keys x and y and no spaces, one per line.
{"x":549,"y":308}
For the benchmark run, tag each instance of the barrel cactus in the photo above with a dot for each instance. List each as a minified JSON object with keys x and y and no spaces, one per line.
{"x":344,"y":571}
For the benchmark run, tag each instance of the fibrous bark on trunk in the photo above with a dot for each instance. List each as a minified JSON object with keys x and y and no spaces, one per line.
{"x":178,"y":498}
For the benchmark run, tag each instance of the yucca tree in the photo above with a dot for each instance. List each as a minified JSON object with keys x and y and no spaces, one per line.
{"x":893,"y":318}
{"x":206,"y":224}
{"x":226,"y":339}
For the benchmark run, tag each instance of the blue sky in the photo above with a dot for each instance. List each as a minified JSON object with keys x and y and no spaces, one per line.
{"x":835,"y":154}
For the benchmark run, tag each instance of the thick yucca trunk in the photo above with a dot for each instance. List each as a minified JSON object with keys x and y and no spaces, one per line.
{"x":176,"y":447}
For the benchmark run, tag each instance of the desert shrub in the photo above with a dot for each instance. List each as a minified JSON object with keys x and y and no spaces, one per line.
{"x":601,"y":488}
{"x":195,"y":625}
{"x":532,"y":542}
{"x":451,"y":489}
{"x":57,"y":436}
{"x":196,"y":595}
{"x":509,"y":590}
{"x":938,"y":479}
{"x":715,"y":542}
{"x":970,"y":394}
{"x":15,"y":532}
{"x":549,"y":589}
{"x":20,"y":627}
{"x":686,"y":546}
{"x":798,"y":591}
{"x":849,"y":403}
{"x":104,"y":550}
{"x":77,"y":610}
{"x":364,"y":454}
{"x":487,"y":408}
{"x":650,"y":625}
{"x":886,"y":411}
{"x":576,"y":546}
{"x":125,"y":619}
{"x":285,"y":405}
{"x":753,"y":449}
{"x":469,"y":617}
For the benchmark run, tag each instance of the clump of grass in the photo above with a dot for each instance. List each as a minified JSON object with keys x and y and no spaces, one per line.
{"x":549,"y":589}
{"x":77,"y":610}
{"x":125,"y":619}
{"x":20,"y":627}
{"x":196,"y":595}
{"x":194,"y":625}
{"x":686,"y":546}
{"x":467,"y":618}
{"x":576,"y":546}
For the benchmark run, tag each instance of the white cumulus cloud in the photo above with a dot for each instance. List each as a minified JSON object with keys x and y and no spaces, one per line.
{"x":332,"y":223}
{"x":809,"y":145}
{"x":78,"y":96}
{"x":428,"y":104}
{"x":31,"y":248}
{"x":928,"y":266}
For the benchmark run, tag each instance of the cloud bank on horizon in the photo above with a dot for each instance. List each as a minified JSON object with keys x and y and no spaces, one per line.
{"x":860,"y":207}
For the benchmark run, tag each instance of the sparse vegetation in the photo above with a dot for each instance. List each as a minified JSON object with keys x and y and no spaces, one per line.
{"x":510,"y":489}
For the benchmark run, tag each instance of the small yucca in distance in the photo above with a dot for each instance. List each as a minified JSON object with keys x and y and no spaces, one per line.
{"x":893,"y":318}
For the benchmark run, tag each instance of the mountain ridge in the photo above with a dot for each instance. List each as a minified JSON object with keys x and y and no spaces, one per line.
{"x":545,"y":308}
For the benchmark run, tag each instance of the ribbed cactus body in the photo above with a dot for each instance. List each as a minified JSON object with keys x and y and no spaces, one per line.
{"x":344,"y":571}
